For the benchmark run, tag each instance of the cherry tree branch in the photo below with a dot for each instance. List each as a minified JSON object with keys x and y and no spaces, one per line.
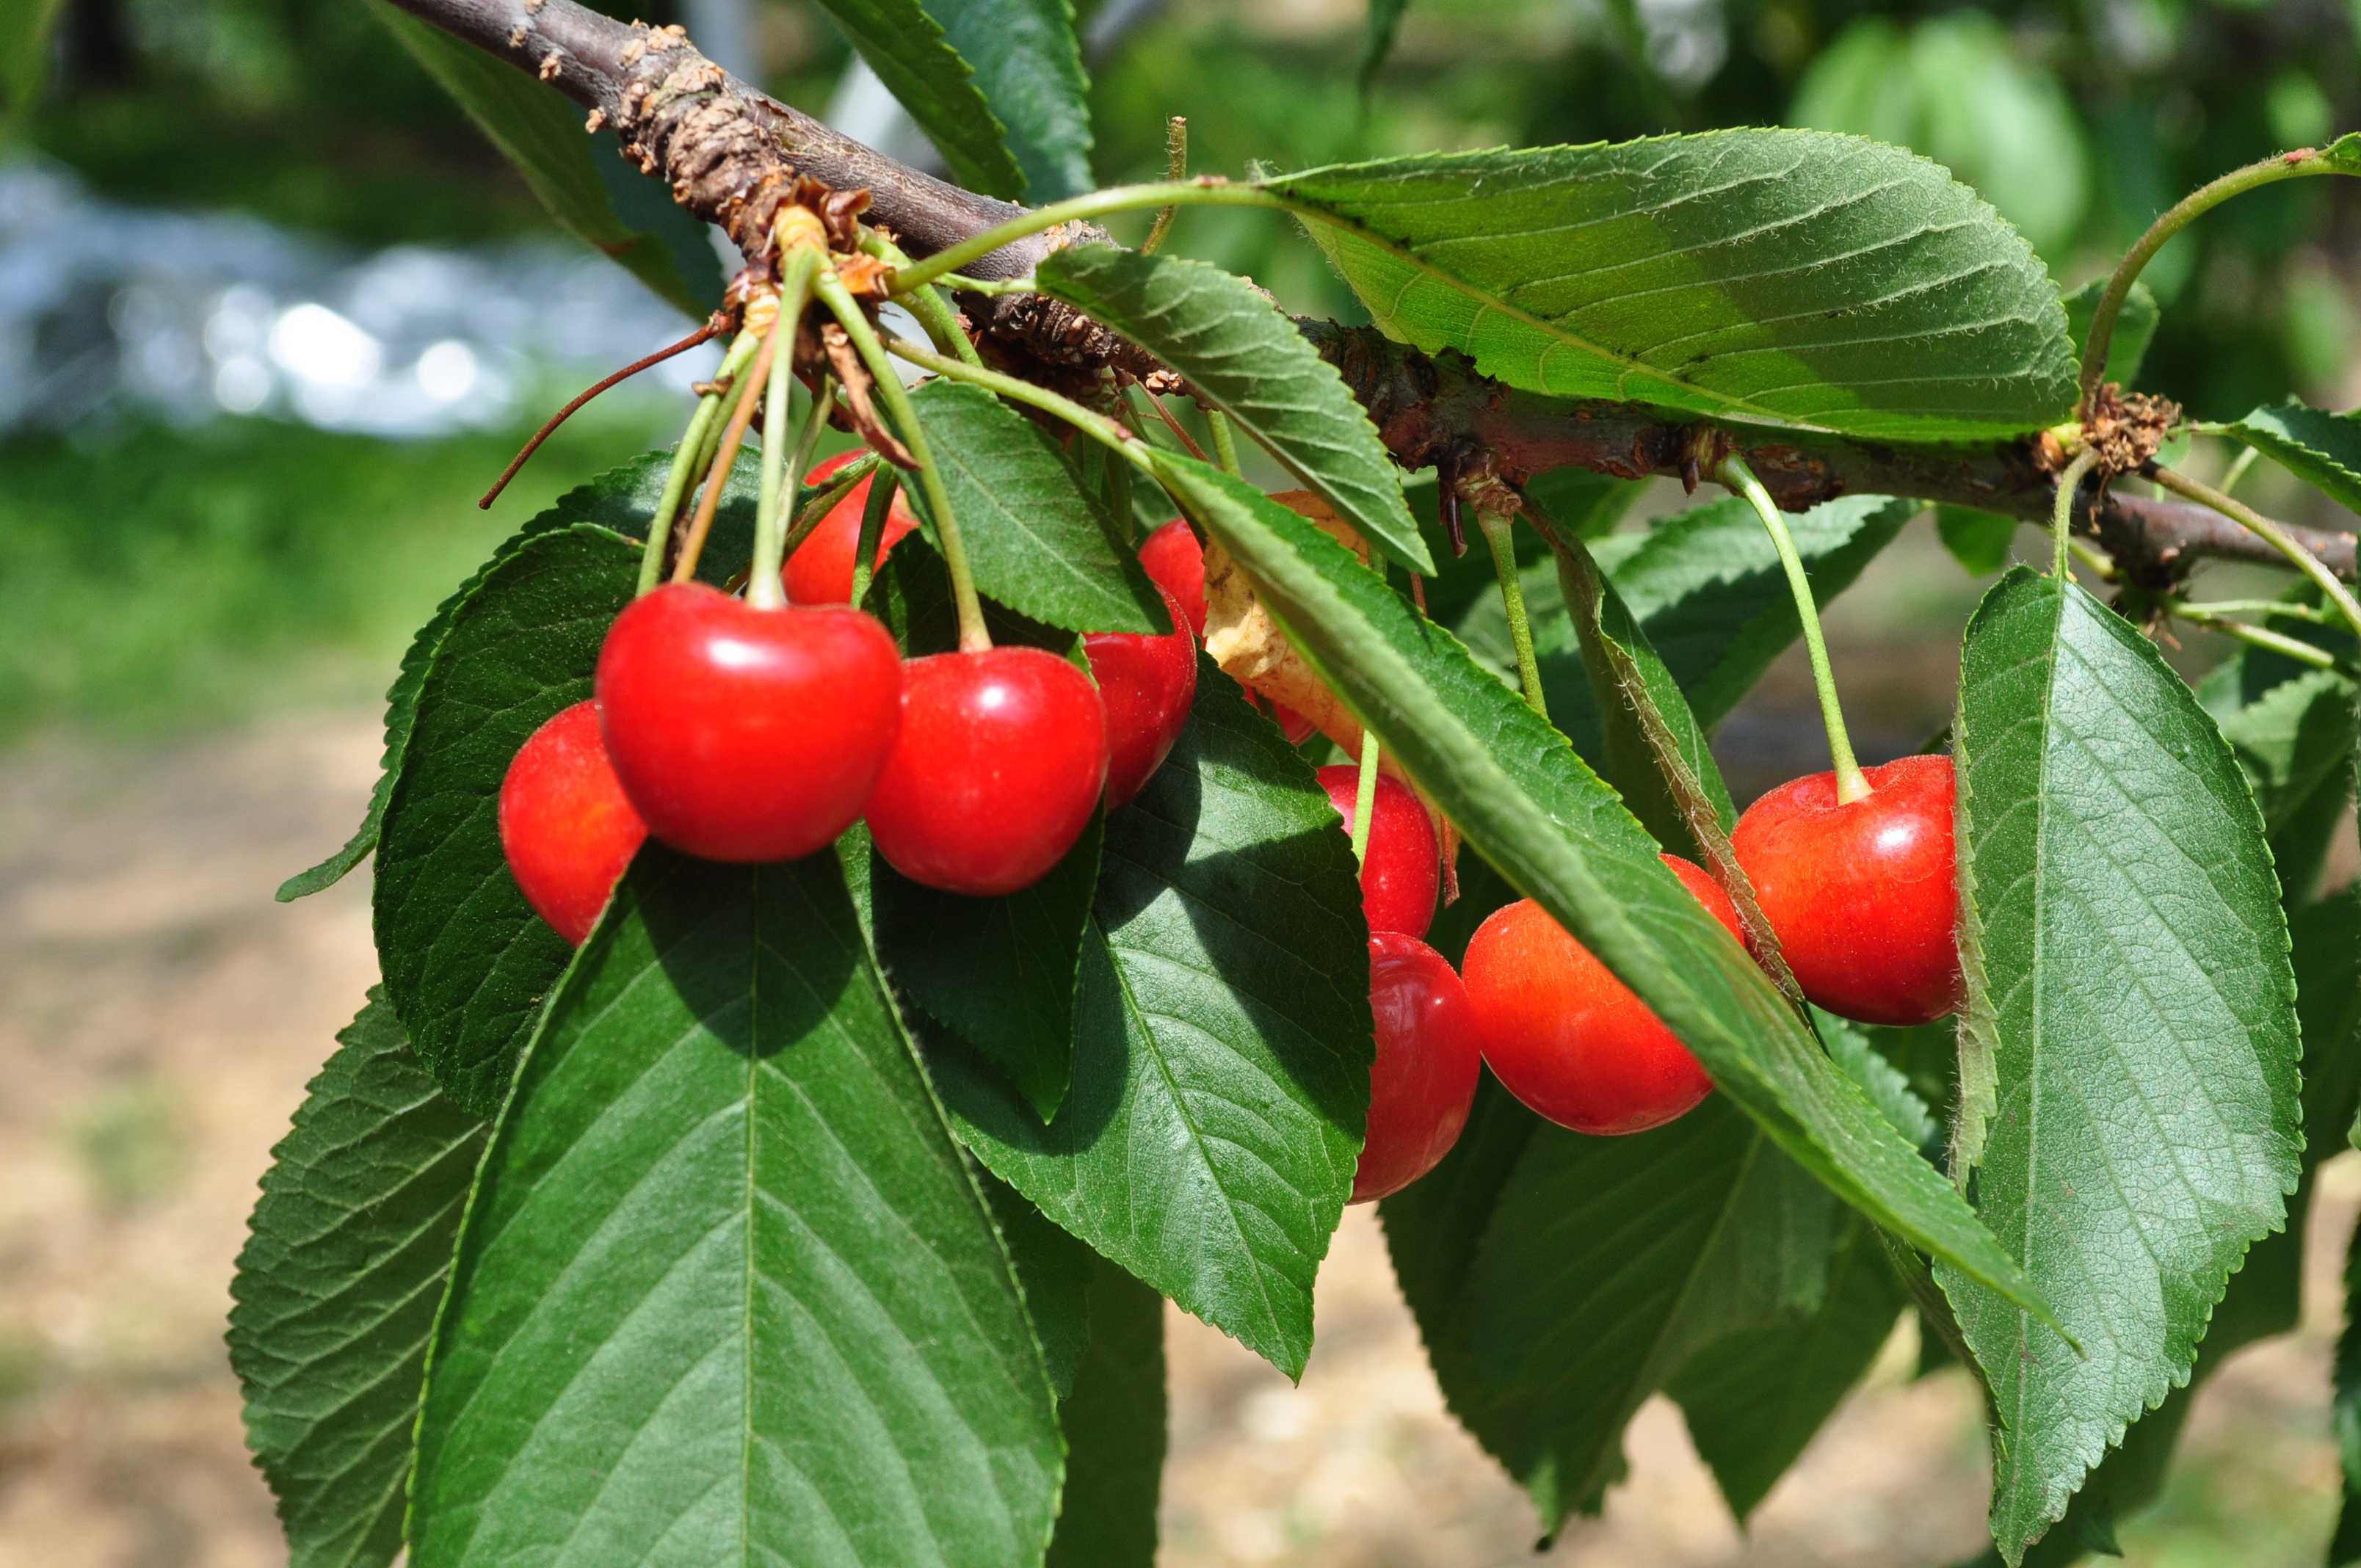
{"x":731,"y":154}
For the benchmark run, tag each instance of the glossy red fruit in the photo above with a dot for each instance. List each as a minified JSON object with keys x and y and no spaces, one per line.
{"x":1175,"y":559}
{"x":1566,"y":1036}
{"x":1403,"y":866}
{"x":820,"y":571}
{"x":1864,"y":896}
{"x":1424,"y":1076}
{"x":567,"y":827}
{"x":745,"y":734}
{"x":1001,"y":758}
{"x":1146,"y":683}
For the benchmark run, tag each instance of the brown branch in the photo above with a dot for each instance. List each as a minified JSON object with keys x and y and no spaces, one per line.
{"x":731,"y":154}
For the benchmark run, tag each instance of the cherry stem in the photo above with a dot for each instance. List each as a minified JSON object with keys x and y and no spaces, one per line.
{"x":1176,"y":167}
{"x":1500,"y":537}
{"x":689,"y":459}
{"x":823,"y":501}
{"x":2062,"y":510}
{"x":1179,"y":431}
{"x":710,"y":330}
{"x":2238,"y":467}
{"x":2270,"y":533}
{"x":2179,"y":215}
{"x":1095,"y":204}
{"x":1851,"y":784}
{"x":725,"y":456}
{"x":873,"y":530}
{"x":1225,"y":444}
{"x":2286,"y":610}
{"x":934,"y":312}
{"x":973,"y":637}
{"x":1364,"y":796}
{"x":2211,"y":619}
{"x":1090,"y":423}
{"x":781,"y":476}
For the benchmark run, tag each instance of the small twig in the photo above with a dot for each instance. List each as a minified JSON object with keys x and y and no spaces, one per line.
{"x":712,"y":328}
{"x":1176,"y":167}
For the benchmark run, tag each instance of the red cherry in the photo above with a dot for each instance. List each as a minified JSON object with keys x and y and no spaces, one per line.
{"x":565,"y":826}
{"x":1146,"y":683}
{"x":820,"y":571}
{"x":1403,"y":868}
{"x":1175,"y":559}
{"x":1002,"y":758}
{"x":1566,"y":1036}
{"x":1864,"y":896}
{"x":1424,"y":1076}
{"x":746,"y":734}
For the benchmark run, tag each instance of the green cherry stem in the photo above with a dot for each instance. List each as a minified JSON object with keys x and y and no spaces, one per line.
{"x":1365,"y":795}
{"x":973,"y":635}
{"x":689,"y":459}
{"x":2282,"y":610}
{"x":2270,"y":533}
{"x":725,"y":458}
{"x":934,"y":312}
{"x":2259,"y":636}
{"x":765,"y":590}
{"x":872,"y":529}
{"x":1090,"y":423}
{"x":823,"y":501}
{"x":1176,"y":167}
{"x":2238,"y":467}
{"x":1225,"y":443}
{"x":2061,"y":510}
{"x":1096,"y":205}
{"x":2179,"y":215}
{"x":1501,"y":540}
{"x":1851,"y":784}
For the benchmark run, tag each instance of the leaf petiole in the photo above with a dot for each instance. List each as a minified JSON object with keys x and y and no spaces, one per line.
{"x":1501,"y":539}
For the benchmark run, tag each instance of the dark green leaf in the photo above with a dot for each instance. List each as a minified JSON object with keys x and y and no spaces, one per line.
{"x":1038,"y":541}
{"x":908,"y":49}
{"x":1755,"y":1397}
{"x":1054,"y":1268}
{"x":1979,"y":541}
{"x":1887,"y":1085}
{"x":1115,"y":1426}
{"x":2135,"y":325}
{"x":541,"y":134}
{"x":1245,"y":358}
{"x":2323,"y":450}
{"x":466,"y":961}
{"x":2345,"y":1415}
{"x":1028,"y":68}
{"x":2131,"y":1006}
{"x":336,"y":1291}
{"x":1222,"y":1040}
{"x":726,"y":1291}
{"x":1524,"y":800}
{"x":1788,"y":276}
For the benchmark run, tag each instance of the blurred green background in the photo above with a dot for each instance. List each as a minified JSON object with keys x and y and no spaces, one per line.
{"x":180,"y":580}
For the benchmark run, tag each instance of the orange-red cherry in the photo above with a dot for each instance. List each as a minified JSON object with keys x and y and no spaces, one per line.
{"x":1001,"y":758}
{"x":1863,"y":896}
{"x":565,"y":826}
{"x":820,"y":571}
{"x":1424,"y":1076}
{"x":1569,"y":1039}
{"x":746,"y":734}
{"x":1175,"y":560}
{"x":1403,"y":865}
{"x":1147,"y":682}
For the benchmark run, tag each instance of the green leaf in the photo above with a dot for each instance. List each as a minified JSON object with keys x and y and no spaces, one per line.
{"x":335,"y":1288}
{"x":1527,"y":803}
{"x":908,"y":49}
{"x":1385,"y":26}
{"x":1037,"y":539}
{"x":2135,"y":324}
{"x":1754,"y":1398}
{"x":541,"y":134}
{"x":623,"y":497}
{"x":1782,"y":277}
{"x":1055,"y":1270}
{"x":1028,"y":68}
{"x":2323,"y":450}
{"x":2293,"y":740}
{"x":2345,"y":1414}
{"x":1241,"y":355}
{"x":1222,"y":1040}
{"x":466,"y":961}
{"x":2130,"y":1002}
{"x":726,"y":1290}
{"x":1979,"y":541}
{"x":1582,"y":503}
{"x":1115,"y":1427}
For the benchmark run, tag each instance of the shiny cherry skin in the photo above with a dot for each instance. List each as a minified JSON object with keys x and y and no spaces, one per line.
{"x":1569,"y":1039}
{"x":1864,"y":896}
{"x":820,"y":571}
{"x":1404,"y":865}
{"x":746,"y":734}
{"x":1001,"y":758}
{"x":1174,"y":558}
{"x":1428,"y":1059}
{"x":1146,"y":683}
{"x":567,"y":827}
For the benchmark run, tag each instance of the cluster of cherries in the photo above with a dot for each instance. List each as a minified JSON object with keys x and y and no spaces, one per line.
{"x":745,"y":734}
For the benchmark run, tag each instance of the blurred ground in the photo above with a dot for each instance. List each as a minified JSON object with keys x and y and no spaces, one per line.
{"x":159,"y":1016}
